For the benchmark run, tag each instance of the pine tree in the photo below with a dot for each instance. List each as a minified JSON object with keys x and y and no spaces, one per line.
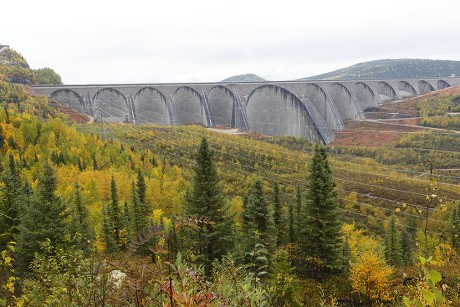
{"x":80,"y":227}
{"x":260,"y":220}
{"x":319,"y":225}
{"x":206,"y":200}
{"x":44,"y":218}
{"x":392,"y":243}
{"x":278,"y":214}
{"x":11,"y":203}
{"x":114,"y":212}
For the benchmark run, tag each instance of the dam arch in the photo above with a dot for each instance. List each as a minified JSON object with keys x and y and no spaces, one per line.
{"x":111,"y":105}
{"x":221,"y":106}
{"x":267,"y":101}
{"x":343,"y":100}
{"x":365,"y":95}
{"x":323,"y":105}
{"x":188,"y":107}
{"x":406,"y":89}
{"x":425,"y":87}
{"x":151,"y":106}
{"x":70,"y":98}
{"x":442,"y":84}
{"x":386,"y":92}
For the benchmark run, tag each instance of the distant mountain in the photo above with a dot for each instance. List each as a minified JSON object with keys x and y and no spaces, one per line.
{"x":397,"y":68}
{"x":244,"y":78}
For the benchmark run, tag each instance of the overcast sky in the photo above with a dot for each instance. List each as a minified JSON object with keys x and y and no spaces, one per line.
{"x":151,"y":41}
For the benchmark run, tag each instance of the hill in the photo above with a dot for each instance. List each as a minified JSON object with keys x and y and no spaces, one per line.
{"x":393,"y":68}
{"x":15,"y":69}
{"x":244,"y":78}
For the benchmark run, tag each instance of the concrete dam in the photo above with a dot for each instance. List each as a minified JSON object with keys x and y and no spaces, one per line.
{"x":310,"y":109}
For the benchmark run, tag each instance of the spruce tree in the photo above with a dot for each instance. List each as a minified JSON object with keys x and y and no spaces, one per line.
{"x":11,"y":203}
{"x":261,"y":228}
{"x":126,"y":220}
{"x":392,"y":243}
{"x":44,"y":218}
{"x":114,"y":212}
{"x":140,"y":206}
{"x":408,"y":237}
{"x":291,"y":223}
{"x":407,"y":249}
{"x":346,"y":255}
{"x":298,"y":206}
{"x":135,"y":209}
{"x":319,"y":225}
{"x":455,"y":228}
{"x":107,"y":230}
{"x":80,"y":226}
{"x":206,"y":200}
{"x":278,"y":215}
{"x":411,"y":221}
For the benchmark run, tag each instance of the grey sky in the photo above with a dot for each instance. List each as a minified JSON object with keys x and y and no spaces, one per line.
{"x":139,"y":41}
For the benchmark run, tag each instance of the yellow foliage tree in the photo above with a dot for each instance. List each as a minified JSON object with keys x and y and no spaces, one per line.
{"x":371,"y":277}
{"x":369,"y":273}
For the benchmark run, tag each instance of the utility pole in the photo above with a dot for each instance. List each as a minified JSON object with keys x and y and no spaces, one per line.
{"x":430,"y":197}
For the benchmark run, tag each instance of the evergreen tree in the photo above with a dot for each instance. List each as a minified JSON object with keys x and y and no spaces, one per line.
{"x":346,"y":255}
{"x":285,"y":288}
{"x":319,"y":225}
{"x":80,"y":227}
{"x":298,"y":206}
{"x":206,"y":200}
{"x":455,"y":226}
{"x":408,"y":237}
{"x":141,"y":188}
{"x":114,"y":212}
{"x":392,"y":243}
{"x":261,"y":228}
{"x":126,"y":220}
{"x":278,"y":214}
{"x":44,"y":218}
{"x":411,"y":221}
{"x":107,"y":230}
{"x":140,"y":207}
{"x":291,"y":223}
{"x":407,"y":249}
{"x":11,"y":203}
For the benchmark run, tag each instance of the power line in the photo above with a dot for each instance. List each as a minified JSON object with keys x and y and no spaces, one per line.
{"x":356,"y":182}
{"x":284,"y":182}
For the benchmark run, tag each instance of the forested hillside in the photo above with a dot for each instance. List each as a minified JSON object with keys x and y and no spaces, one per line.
{"x":143,"y":215}
{"x":394,"y":69}
{"x":15,"y":69}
